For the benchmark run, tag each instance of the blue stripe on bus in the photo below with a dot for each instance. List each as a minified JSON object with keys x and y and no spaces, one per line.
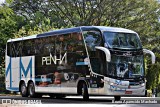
{"x":21,"y":70}
{"x":29,"y":67}
{"x":81,"y":63}
{"x":13,"y":88}
{"x":42,"y":79}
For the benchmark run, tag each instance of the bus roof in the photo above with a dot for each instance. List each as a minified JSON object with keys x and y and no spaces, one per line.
{"x":78,"y":29}
{"x":72,"y":30}
{"x":114,"y":29}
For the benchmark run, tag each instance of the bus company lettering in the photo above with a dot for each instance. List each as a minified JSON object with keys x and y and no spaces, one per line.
{"x":49,"y":59}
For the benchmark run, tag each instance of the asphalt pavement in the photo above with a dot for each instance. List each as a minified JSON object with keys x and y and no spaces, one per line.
{"x":9,"y":101}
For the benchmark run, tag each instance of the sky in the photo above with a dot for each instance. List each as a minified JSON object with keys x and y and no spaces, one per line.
{"x":2,"y":1}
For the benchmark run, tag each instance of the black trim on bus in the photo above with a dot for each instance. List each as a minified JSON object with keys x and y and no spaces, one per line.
{"x":68,"y":30}
{"x":59,"y":32}
{"x":126,"y":52}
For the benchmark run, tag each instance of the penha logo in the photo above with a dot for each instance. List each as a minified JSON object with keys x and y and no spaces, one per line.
{"x":49,"y":59}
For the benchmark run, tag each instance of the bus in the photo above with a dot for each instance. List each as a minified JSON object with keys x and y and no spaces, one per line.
{"x":85,"y":61}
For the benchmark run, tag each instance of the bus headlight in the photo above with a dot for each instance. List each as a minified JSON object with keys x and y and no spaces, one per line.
{"x":111,"y":83}
{"x":143,"y":84}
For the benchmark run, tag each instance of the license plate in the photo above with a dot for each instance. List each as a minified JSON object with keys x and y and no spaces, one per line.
{"x":128,"y":92}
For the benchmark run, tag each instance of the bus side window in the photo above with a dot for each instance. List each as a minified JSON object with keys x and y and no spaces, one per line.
{"x":36,"y":49}
{"x":39,"y":46}
{"x":9,"y":49}
{"x":27,"y":48}
{"x":32,"y":47}
{"x":49,"y":45}
{"x":19,"y":46}
{"x":81,"y":55}
{"x":13,"y":49}
{"x":24,"y":53}
{"x":92,"y":39}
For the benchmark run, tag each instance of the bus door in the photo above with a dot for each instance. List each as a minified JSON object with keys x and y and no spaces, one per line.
{"x":98,"y":68}
{"x":92,"y":39}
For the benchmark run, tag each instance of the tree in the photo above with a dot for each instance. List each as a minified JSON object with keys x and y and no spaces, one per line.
{"x":34,"y":12}
{"x":8,"y":26}
{"x":42,"y":15}
{"x":153,"y":76}
{"x":140,"y":16}
{"x":10,"y":23}
{"x":65,"y":13}
{"x":124,"y":13}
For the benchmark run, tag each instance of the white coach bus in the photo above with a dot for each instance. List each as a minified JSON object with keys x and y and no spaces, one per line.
{"x":86,"y":60}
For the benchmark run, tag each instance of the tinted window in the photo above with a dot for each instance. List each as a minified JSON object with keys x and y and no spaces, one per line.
{"x":92,"y":39}
{"x":9,"y":49}
{"x":14,"y":49}
{"x":28,"y":47}
{"x":122,"y":40}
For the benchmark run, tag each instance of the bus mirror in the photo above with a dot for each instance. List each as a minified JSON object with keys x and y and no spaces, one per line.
{"x":106,"y":51}
{"x":152,"y":55}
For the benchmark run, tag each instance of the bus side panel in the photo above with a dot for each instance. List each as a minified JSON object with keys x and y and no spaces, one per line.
{"x":61,"y":61}
{"x":19,"y":68}
{"x":27,"y":68}
{"x":7,"y":74}
{"x":15,"y":72}
{"x":12,"y":73}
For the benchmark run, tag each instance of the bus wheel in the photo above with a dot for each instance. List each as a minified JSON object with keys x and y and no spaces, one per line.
{"x":145,"y":93}
{"x":31,"y":90}
{"x":23,"y":90}
{"x":59,"y":96}
{"x":85,"y":92}
{"x":52,"y":95}
{"x":117,"y":98}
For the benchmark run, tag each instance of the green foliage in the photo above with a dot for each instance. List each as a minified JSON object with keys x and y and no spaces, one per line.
{"x":20,"y":18}
{"x":152,"y":72}
{"x":27,"y":30}
{"x":2,"y":84}
{"x":7,"y":28}
{"x":153,"y":76}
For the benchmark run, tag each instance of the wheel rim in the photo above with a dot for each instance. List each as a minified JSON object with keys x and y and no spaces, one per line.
{"x":31,"y":89}
{"x":23,"y":89}
{"x":83,"y":89}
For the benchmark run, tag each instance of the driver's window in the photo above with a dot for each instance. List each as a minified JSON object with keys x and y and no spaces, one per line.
{"x":92,"y":39}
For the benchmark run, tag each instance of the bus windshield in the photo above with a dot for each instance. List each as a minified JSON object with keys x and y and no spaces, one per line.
{"x":126,"y":67}
{"x":122,"y":40}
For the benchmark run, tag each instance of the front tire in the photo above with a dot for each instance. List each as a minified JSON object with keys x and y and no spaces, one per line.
{"x":23,"y":90}
{"x":145,"y":93}
{"x":52,"y":95}
{"x":85,"y":92}
{"x":60,"y":96}
{"x":117,"y":98}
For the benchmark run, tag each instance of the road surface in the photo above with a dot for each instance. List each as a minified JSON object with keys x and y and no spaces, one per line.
{"x":46,"y":101}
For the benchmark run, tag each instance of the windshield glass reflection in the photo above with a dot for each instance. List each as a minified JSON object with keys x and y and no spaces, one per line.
{"x":122,"y":40}
{"x":126,"y":67}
